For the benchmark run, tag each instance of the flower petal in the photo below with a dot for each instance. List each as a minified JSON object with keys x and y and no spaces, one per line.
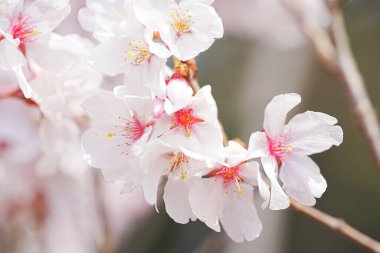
{"x":176,"y":200}
{"x":278,"y":200}
{"x":240,"y":219}
{"x":313,"y":132}
{"x":302,"y":179}
{"x":276,"y":111}
{"x":207,"y":199}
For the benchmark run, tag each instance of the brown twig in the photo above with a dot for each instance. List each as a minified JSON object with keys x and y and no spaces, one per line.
{"x":338,"y":225}
{"x":333,"y":51}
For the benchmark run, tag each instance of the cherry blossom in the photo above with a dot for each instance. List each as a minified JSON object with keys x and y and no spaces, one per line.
{"x":181,"y":167}
{"x":120,"y":129}
{"x":20,"y":25}
{"x":227,"y":188}
{"x":287,"y":147}
{"x":188,"y":27}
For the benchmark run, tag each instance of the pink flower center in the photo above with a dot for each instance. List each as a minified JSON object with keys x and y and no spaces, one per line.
{"x":229,"y":175}
{"x":132,"y":130}
{"x":277,"y":148}
{"x":22,"y":30}
{"x":185,"y":118}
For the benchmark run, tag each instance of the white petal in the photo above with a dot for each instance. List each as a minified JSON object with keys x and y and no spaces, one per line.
{"x":179,"y":95}
{"x":207,"y":199}
{"x":240,"y":219}
{"x":313,"y":132}
{"x":104,"y":107}
{"x":105,"y":152}
{"x":302,"y":179}
{"x":176,"y":200}
{"x":46,"y":15}
{"x":110,"y":56}
{"x":279,"y":200}
{"x":276,"y":111}
{"x":258,"y":145}
{"x":10,"y":56}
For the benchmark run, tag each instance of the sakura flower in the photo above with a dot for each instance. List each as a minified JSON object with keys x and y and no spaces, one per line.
{"x":188,"y":27}
{"x":22,"y":24}
{"x":180,"y":166}
{"x":120,"y":129}
{"x":287,"y":149}
{"x":194,"y":117}
{"x":225,"y":195}
{"x":130,"y":54}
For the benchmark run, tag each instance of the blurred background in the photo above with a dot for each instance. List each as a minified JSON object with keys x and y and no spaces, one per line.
{"x":264,"y":53}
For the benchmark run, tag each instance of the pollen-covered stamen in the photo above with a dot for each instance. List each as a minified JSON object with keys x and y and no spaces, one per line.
{"x":229,"y":175}
{"x":139,"y":51}
{"x":178,"y":161}
{"x":132,"y":130}
{"x":186,"y":119}
{"x":22,"y":30}
{"x":182,"y":21}
{"x":278,"y":147}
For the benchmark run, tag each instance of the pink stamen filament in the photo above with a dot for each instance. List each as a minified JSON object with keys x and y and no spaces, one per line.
{"x":186,"y":119}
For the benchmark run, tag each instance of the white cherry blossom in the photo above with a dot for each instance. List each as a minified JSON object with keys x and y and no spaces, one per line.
{"x":225,"y":195}
{"x":287,"y":147}
{"x":180,"y":166}
{"x":120,"y":129}
{"x":188,"y":27}
{"x":20,"y":25}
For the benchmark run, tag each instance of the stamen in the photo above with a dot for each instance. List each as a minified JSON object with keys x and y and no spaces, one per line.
{"x":177,"y":161}
{"x":22,"y":30}
{"x":185,"y":118}
{"x":132,"y":130}
{"x":230,"y":175}
{"x":182,"y":21}
{"x":139,"y":50}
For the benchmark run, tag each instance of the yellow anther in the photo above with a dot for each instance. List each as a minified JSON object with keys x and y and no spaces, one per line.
{"x":130,"y":54}
{"x":240,"y":190}
{"x":110,"y":134}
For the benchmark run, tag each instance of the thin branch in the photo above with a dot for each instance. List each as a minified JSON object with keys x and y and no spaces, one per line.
{"x":339,"y":226}
{"x":334,"y":53}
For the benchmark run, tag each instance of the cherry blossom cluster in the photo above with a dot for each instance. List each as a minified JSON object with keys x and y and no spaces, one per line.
{"x":157,"y":129}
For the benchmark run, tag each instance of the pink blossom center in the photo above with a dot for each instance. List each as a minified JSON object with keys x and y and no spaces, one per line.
{"x":230,"y":175}
{"x":186,"y":119}
{"x":22,"y":30}
{"x":132,"y":130}
{"x":277,"y":148}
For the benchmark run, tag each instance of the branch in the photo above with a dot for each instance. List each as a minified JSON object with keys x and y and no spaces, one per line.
{"x":339,"y":226}
{"x":334,"y":53}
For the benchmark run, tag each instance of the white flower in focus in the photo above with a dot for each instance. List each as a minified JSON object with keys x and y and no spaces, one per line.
{"x":287,"y":147}
{"x":225,"y":195}
{"x":193,"y":117}
{"x":20,"y":25}
{"x":188,"y":27}
{"x":162,"y":159}
{"x":131,"y":54}
{"x":119,"y":132}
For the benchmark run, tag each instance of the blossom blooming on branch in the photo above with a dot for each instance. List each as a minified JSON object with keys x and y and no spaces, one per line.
{"x":287,"y":147}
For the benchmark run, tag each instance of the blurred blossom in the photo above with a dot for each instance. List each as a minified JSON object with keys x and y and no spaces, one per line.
{"x":270,"y":21}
